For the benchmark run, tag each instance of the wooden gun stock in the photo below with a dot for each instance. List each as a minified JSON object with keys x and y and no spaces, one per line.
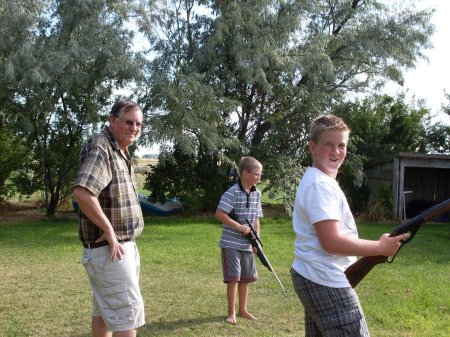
{"x":358,"y":270}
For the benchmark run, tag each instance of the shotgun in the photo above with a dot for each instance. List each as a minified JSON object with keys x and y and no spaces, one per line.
{"x":358,"y":270}
{"x":255,"y":241}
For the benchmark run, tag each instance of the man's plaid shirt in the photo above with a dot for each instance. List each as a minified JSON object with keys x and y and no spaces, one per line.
{"x":106,"y":171}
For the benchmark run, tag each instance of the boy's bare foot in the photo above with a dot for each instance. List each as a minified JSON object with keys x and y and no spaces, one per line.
{"x":247,"y":315}
{"x":231,"y":319}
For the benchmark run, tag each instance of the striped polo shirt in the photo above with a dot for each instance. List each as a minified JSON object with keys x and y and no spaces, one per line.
{"x":247,"y":206}
{"x":106,"y":171}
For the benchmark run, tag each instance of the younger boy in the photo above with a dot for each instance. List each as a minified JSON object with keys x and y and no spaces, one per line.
{"x":327,"y":239}
{"x":238,"y":263}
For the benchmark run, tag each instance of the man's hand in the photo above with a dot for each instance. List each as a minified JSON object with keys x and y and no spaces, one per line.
{"x":90,"y":206}
{"x":116,"y":249}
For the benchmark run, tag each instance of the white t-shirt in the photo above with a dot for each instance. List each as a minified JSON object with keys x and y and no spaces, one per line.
{"x":319,"y":198}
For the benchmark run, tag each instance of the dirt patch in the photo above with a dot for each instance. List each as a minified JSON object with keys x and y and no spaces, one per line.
{"x":19,"y":210}
{"x":271,"y":210}
{"x":27,"y":210}
{"x":23,"y":210}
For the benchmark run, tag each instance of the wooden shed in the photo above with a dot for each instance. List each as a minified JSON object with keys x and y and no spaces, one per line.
{"x":418,"y":181}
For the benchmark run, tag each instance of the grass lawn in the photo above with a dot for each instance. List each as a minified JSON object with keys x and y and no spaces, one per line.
{"x":45,"y":292}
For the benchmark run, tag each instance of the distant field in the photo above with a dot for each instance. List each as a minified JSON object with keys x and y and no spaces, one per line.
{"x":143,"y":165}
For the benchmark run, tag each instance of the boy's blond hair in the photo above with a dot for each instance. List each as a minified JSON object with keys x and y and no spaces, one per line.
{"x":248,"y":163}
{"x":326,"y":122}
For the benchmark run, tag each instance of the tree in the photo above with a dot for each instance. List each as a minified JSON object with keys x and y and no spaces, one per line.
{"x":72,"y":55}
{"x":446,"y":108}
{"x":439,"y":133}
{"x":13,"y":32}
{"x":387,"y":125}
{"x":14,"y":157}
{"x":381,"y":126}
{"x":183,"y":178}
{"x":256,"y":72}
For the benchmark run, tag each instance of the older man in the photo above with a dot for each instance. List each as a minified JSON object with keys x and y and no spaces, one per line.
{"x":110,"y":219}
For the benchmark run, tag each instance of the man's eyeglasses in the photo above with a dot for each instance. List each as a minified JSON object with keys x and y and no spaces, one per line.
{"x":130,"y":123}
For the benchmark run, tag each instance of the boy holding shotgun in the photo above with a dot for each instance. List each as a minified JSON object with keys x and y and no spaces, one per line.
{"x":238,"y":263}
{"x":327,"y":239}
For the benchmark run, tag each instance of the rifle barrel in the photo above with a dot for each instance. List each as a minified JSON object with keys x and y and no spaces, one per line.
{"x":265,"y":261}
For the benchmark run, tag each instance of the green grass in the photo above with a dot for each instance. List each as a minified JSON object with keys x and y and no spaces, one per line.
{"x":275,"y":200}
{"x":45,"y":292}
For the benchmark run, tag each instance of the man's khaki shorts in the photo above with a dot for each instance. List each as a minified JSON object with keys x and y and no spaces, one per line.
{"x":115,"y":285}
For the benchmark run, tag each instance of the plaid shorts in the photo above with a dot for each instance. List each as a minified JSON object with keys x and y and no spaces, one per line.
{"x":329,"y":312}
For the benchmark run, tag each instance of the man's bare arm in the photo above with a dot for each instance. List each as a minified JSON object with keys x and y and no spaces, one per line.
{"x":90,"y":206}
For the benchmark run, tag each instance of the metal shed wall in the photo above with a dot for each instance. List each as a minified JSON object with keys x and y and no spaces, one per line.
{"x":414,"y":178}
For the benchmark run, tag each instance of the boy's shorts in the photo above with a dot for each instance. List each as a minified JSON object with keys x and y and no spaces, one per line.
{"x":238,"y":265}
{"x":115,"y":285}
{"x":330,"y":311}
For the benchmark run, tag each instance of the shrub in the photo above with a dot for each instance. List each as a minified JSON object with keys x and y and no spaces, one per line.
{"x":380,"y":205}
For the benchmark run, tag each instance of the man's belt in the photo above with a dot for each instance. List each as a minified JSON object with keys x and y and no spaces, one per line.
{"x":100,"y":244}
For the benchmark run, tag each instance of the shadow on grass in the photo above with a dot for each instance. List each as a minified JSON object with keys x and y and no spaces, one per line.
{"x":164,"y":327}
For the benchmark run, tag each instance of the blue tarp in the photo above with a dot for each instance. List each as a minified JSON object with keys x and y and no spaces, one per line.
{"x":148,"y":208}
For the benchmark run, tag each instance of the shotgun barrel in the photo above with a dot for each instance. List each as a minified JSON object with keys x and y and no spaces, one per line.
{"x":358,"y":270}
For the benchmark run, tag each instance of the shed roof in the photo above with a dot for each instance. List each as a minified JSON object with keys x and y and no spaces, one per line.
{"x":408,"y":155}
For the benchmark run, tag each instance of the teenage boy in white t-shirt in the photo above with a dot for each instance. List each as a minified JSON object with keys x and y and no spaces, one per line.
{"x":327,"y":239}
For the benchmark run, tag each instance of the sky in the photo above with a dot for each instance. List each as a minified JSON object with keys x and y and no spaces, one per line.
{"x":429,"y":78}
